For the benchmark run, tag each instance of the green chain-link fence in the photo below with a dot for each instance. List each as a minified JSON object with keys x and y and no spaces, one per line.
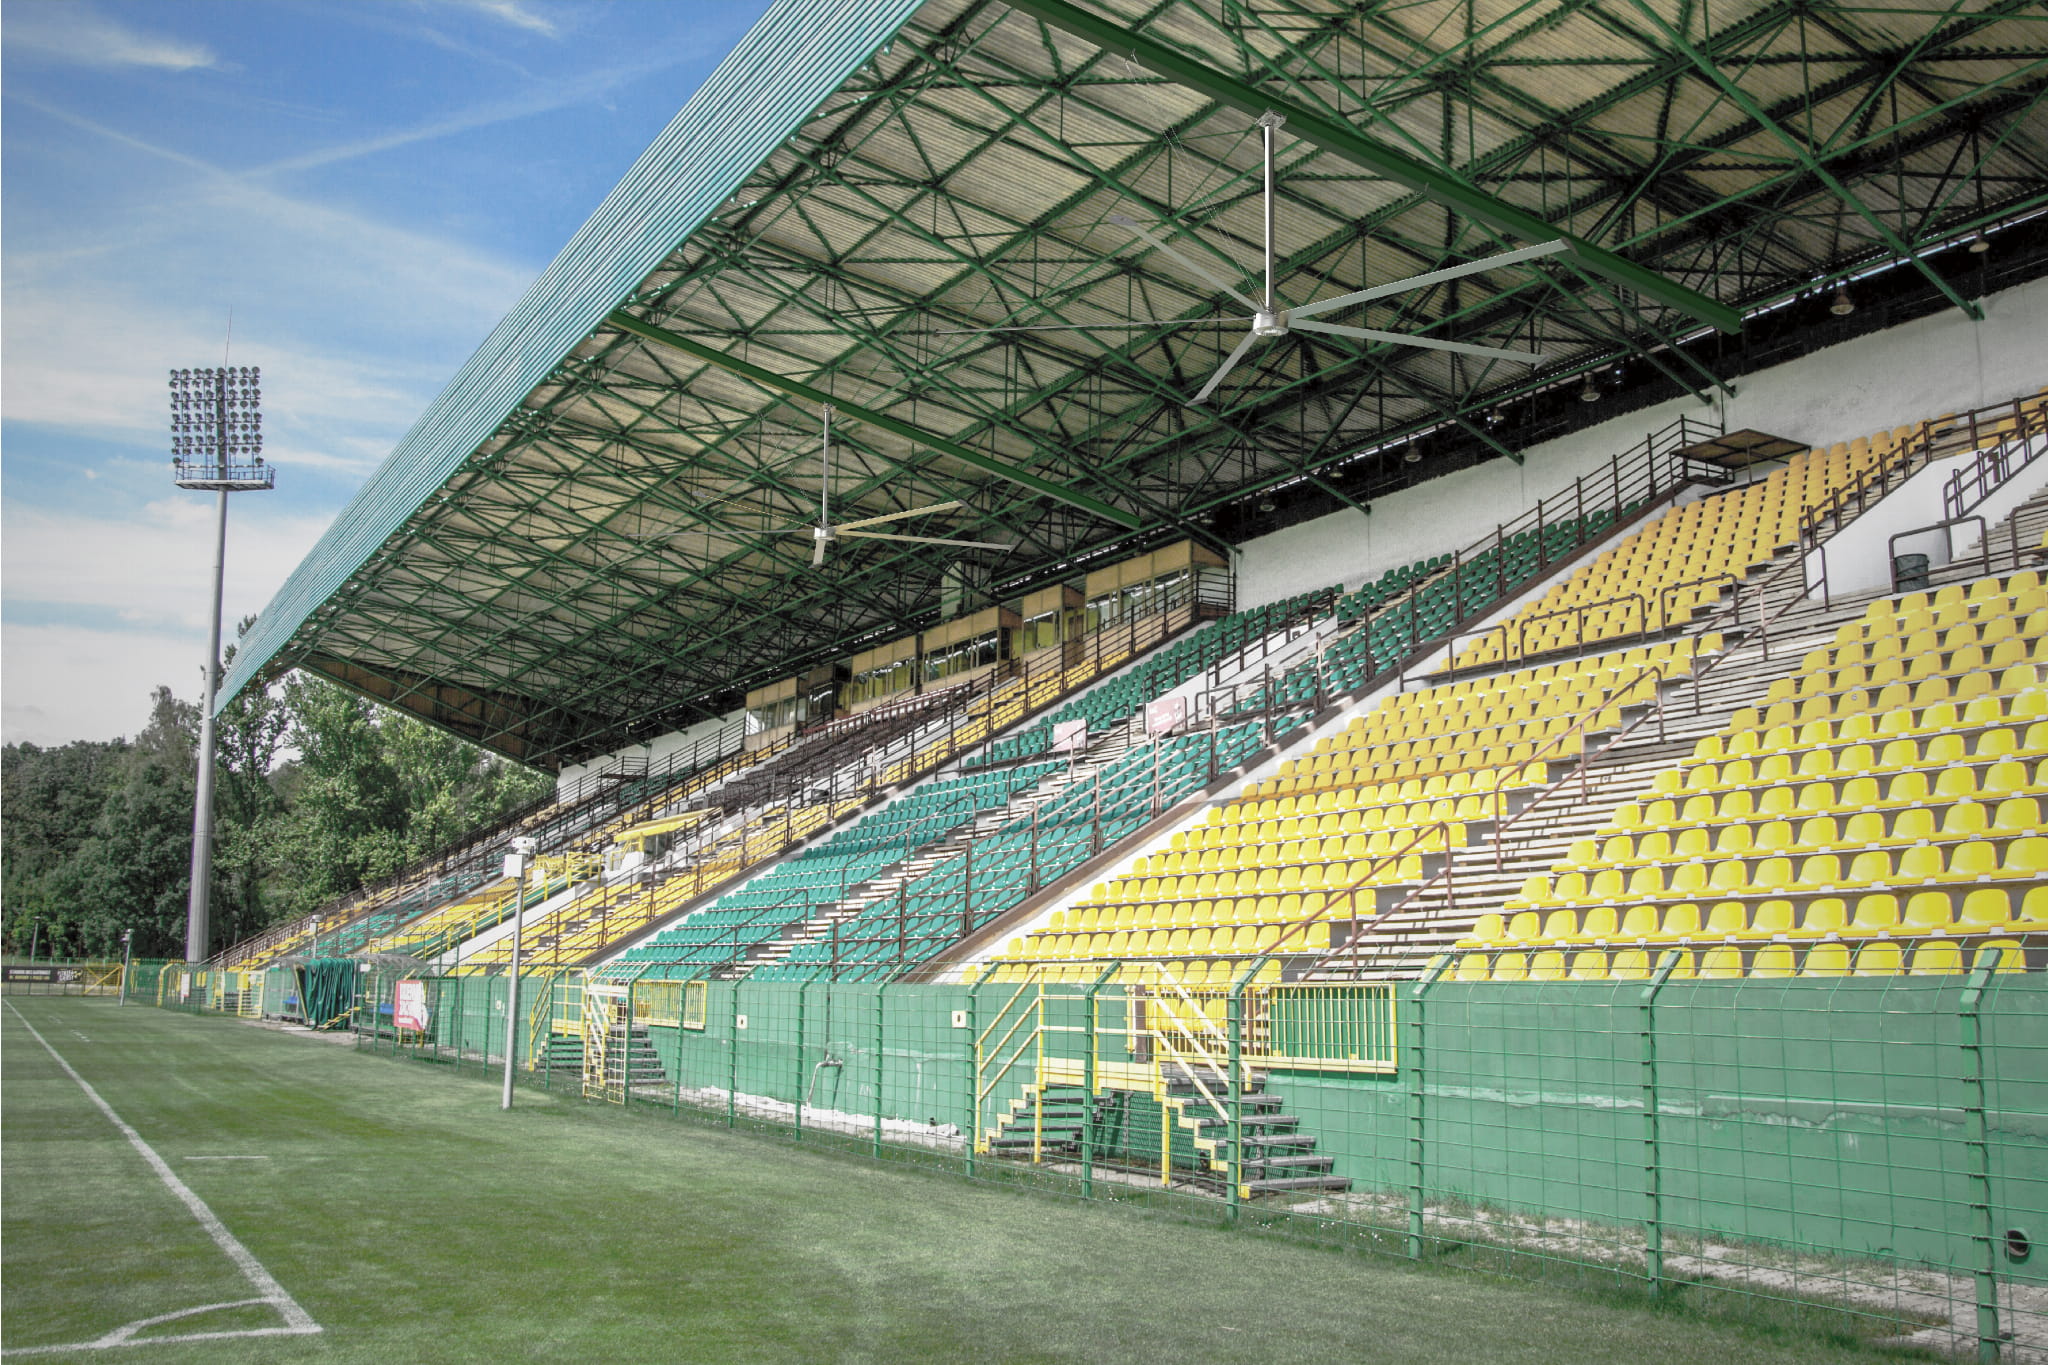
{"x":1867,"y":1154}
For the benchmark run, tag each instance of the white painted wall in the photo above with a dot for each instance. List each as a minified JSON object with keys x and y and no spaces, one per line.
{"x":1939,"y":364}
{"x":1857,"y":562}
{"x":654,"y":751}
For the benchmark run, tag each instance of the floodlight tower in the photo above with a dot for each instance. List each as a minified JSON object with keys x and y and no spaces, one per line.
{"x":216,"y":443}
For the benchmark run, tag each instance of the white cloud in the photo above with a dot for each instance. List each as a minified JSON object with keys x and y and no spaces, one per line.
{"x":516,"y":13}
{"x":142,"y":585}
{"x":73,"y":32}
{"x":152,"y":569}
{"x":66,"y":682}
{"x":93,"y":362}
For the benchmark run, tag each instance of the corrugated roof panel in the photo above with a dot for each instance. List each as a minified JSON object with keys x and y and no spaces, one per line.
{"x":798,"y":53}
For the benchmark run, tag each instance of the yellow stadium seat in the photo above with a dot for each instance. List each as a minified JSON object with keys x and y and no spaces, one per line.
{"x":1878,"y":959}
{"x":1937,"y":958}
{"x":1721,"y":964}
{"x":1681,"y":921}
{"x":1772,"y":960}
{"x":1826,"y":959}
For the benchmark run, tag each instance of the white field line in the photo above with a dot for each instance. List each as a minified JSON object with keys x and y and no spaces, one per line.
{"x":297,"y":1321}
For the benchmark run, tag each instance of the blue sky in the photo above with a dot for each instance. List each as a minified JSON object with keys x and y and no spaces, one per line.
{"x":368,"y":184}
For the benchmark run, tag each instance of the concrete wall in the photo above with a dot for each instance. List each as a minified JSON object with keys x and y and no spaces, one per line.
{"x":1944,"y":363}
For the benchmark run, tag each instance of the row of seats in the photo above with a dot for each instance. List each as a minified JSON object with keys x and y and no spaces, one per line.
{"x":1340,"y":837}
{"x":1930,"y":864}
{"x":2014,"y":706}
{"x":1697,"y":838}
{"x":1728,"y":962}
{"x":1830,"y":789}
{"x":1170,"y":976}
{"x":1434,"y":598}
{"x":1882,"y":914}
{"x":965,"y":894}
{"x":1274,"y":907}
{"x":1115,"y":701}
{"x":1243,"y":940}
{"x":1535,"y":716}
{"x":1780,"y":829}
{"x":1657,"y":578}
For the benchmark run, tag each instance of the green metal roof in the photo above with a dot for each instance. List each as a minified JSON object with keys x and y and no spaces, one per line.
{"x":572,"y":549}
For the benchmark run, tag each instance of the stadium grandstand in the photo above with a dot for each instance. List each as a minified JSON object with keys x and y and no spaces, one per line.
{"x":1190,"y":562}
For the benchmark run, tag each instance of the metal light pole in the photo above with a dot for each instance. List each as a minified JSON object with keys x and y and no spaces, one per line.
{"x":35,"y":936}
{"x":127,"y":959}
{"x":522,"y":855}
{"x":216,"y":440}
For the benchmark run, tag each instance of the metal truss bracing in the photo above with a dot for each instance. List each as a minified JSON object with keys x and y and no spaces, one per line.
{"x":595,"y":568}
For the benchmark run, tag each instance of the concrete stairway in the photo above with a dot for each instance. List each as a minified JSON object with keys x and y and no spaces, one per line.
{"x":1622,"y":767}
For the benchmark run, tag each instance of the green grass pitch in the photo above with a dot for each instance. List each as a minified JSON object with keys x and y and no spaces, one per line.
{"x":415,"y":1222}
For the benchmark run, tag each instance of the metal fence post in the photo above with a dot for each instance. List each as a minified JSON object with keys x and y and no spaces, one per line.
{"x":1653,"y":1168}
{"x":803,"y":988}
{"x":732,"y":1060}
{"x":1088,"y":1051}
{"x":1417,"y":1151}
{"x":972,"y":1132}
{"x":881,"y":997}
{"x":1235,"y":1018}
{"x":1977,"y":1141}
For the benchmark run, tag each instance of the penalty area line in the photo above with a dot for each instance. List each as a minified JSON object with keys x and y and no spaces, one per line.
{"x":297,"y":1321}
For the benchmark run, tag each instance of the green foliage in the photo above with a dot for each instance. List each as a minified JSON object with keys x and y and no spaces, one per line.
{"x":317,"y":792}
{"x":372,"y":792}
{"x":51,"y":798}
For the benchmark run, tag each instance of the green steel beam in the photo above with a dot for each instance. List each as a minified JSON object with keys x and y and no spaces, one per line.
{"x":1805,"y":157}
{"x":1450,"y":190}
{"x":768,"y":379}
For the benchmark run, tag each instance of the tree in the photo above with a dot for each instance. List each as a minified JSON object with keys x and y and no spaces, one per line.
{"x":134,"y":872}
{"x":51,"y":797}
{"x":249,"y":735}
{"x":316,"y":793}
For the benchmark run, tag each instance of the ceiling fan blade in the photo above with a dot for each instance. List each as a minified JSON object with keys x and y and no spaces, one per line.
{"x":1133,"y":226}
{"x":898,"y":516}
{"x":1229,"y":364}
{"x":1426,"y":343}
{"x":933,"y":540}
{"x":698,"y":531}
{"x":1527,"y":253}
{"x":1091,"y":326}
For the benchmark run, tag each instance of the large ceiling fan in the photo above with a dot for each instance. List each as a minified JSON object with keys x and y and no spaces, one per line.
{"x":1270,"y":318}
{"x":824,"y":532}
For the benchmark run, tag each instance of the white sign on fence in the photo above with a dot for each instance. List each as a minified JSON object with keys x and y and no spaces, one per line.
{"x":409,"y":1006}
{"x":1166,"y":715}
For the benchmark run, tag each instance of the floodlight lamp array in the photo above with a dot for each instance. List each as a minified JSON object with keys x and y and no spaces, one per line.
{"x":217,"y":427}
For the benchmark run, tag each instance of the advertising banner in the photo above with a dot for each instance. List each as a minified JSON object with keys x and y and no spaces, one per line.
{"x":1070,"y":736}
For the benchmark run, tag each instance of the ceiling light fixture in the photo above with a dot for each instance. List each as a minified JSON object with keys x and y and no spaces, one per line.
{"x":1589,"y":392}
{"x":1979,"y":244}
{"x":1843,"y":304}
{"x":1413,"y":455}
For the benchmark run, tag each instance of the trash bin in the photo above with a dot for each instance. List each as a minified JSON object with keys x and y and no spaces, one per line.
{"x":1909,"y":573}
